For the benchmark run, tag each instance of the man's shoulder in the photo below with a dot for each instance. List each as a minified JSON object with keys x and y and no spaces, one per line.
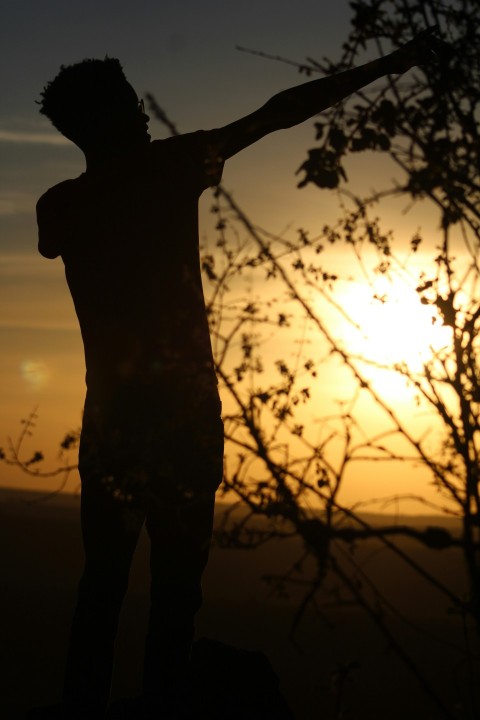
{"x":58,"y":194}
{"x":195,"y":152}
{"x":198,"y":140}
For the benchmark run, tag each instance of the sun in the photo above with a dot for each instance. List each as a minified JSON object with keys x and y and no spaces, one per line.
{"x":393,"y":326}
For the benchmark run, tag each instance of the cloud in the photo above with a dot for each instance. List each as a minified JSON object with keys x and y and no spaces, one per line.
{"x":17,"y":203}
{"x":28,"y":326}
{"x":15,"y":265}
{"x":38,"y":138}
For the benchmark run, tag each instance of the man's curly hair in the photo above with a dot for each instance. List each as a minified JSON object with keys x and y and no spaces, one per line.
{"x":79,"y":88}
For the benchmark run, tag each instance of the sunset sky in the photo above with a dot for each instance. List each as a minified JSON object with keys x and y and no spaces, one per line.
{"x":185,"y":54}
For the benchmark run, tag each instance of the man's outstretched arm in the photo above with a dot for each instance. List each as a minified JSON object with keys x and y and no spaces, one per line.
{"x":294,"y":106}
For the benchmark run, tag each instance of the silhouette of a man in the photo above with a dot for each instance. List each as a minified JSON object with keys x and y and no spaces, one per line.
{"x":151,"y":446}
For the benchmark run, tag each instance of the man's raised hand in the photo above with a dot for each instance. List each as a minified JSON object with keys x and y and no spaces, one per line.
{"x":425,"y":49}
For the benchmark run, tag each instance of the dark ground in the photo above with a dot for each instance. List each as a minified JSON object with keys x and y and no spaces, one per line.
{"x":40,"y":562}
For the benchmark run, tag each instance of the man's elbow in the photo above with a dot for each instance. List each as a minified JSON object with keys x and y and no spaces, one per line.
{"x":48,"y":245}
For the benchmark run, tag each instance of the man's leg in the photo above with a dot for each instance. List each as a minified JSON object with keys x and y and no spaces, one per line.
{"x":110,"y":530}
{"x":180,"y":526}
{"x":180,"y":540}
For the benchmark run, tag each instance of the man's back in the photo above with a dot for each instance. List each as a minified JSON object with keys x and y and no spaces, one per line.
{"x":128,"y":236}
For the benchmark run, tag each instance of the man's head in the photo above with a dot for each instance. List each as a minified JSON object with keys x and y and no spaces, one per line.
{"x":92,"y":104}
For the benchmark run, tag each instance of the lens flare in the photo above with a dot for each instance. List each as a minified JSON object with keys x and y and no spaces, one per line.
{"x":34,"y":372}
